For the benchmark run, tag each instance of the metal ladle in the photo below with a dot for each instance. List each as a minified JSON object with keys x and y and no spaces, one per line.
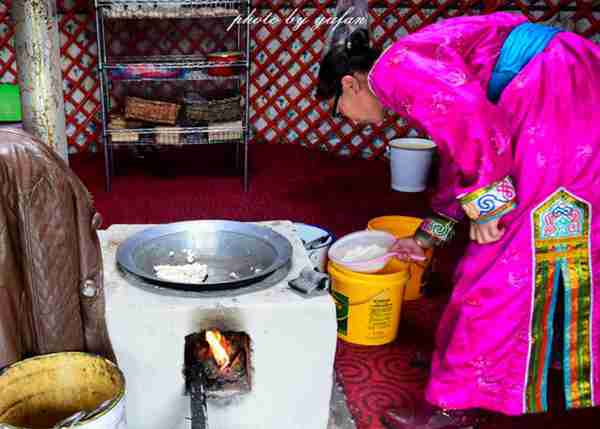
{"x":100,"y":408}
{"x":72,"y":420}
{"x":319,"y":240}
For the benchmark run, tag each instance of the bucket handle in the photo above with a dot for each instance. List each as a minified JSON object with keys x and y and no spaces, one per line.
{"x":381,"y":292}
{"x":369,"y":299}
{"x":354,"y":304}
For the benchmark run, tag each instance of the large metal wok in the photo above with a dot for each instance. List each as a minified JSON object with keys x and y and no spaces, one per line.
{"x":237,"y":254}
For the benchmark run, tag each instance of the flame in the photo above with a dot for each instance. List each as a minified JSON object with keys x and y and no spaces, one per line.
{"x":218,"y":344}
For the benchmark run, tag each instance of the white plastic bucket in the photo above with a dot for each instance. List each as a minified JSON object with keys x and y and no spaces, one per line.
{"x":410,"y":161}
{"x":317,"y":253}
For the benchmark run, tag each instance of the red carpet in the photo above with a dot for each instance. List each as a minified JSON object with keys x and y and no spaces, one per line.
{"x":289,"y":182}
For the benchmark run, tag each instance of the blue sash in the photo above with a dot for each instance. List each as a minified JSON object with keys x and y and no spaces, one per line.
{"x":522,"y":44}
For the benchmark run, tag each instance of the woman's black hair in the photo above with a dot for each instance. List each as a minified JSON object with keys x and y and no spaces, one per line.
{"x":356,"y":55}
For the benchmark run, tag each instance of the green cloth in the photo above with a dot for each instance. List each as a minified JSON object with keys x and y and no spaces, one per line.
{"x":10,"y":103}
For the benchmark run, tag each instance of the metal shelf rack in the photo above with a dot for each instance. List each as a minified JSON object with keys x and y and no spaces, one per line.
{"x":155,"y":69}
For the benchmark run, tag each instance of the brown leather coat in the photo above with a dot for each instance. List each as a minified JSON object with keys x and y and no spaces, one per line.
{"x":51,"y":287}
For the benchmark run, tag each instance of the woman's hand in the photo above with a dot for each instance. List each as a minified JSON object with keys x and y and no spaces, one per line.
{"x":408,"y":250}
{"x":485,"y":233}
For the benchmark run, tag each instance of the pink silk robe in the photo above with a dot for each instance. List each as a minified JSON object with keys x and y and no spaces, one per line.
{"x":495,"y":337}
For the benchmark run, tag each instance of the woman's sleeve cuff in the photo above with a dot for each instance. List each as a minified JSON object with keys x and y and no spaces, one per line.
{"x":490,"y":202}
{"x":435,"y":231}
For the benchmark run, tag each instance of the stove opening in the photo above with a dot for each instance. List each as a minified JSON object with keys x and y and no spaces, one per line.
{"x":221,"y":359}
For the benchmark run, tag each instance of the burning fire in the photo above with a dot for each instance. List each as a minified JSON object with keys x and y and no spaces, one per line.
{"x":218,"y":347}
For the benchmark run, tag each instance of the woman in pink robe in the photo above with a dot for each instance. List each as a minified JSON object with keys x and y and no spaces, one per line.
{"x":525,"y":170}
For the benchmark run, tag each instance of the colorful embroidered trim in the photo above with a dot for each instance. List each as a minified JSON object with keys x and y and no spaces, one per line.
{"x":561,"y":234}
{"x":437,"y":230}
{"x":490,"y":202}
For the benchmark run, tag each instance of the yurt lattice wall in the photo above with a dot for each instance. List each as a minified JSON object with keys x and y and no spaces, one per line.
{"x":284,"y":63}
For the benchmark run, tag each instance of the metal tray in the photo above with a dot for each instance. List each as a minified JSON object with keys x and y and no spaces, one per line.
{"x":249,"y":251}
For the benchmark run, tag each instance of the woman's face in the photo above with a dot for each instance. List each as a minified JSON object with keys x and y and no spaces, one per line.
{"x":357,"y":103}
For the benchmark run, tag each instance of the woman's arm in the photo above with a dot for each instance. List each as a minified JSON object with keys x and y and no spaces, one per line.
{"x":435,"y":90}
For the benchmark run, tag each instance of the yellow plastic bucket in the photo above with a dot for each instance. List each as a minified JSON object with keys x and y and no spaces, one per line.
{"x":368,"y":306}
{"x":38,"y":392}
{"x":403,"y":227}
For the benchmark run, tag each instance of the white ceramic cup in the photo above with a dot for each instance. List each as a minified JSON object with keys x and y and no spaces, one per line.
{"x":410,"y":160}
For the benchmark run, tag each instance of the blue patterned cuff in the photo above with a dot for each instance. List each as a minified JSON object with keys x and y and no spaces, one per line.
{"x":490,"y":202}
{"x":435,"y":231}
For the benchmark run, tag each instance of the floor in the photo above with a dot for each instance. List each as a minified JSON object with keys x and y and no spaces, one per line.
{"x":341,"y":195}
